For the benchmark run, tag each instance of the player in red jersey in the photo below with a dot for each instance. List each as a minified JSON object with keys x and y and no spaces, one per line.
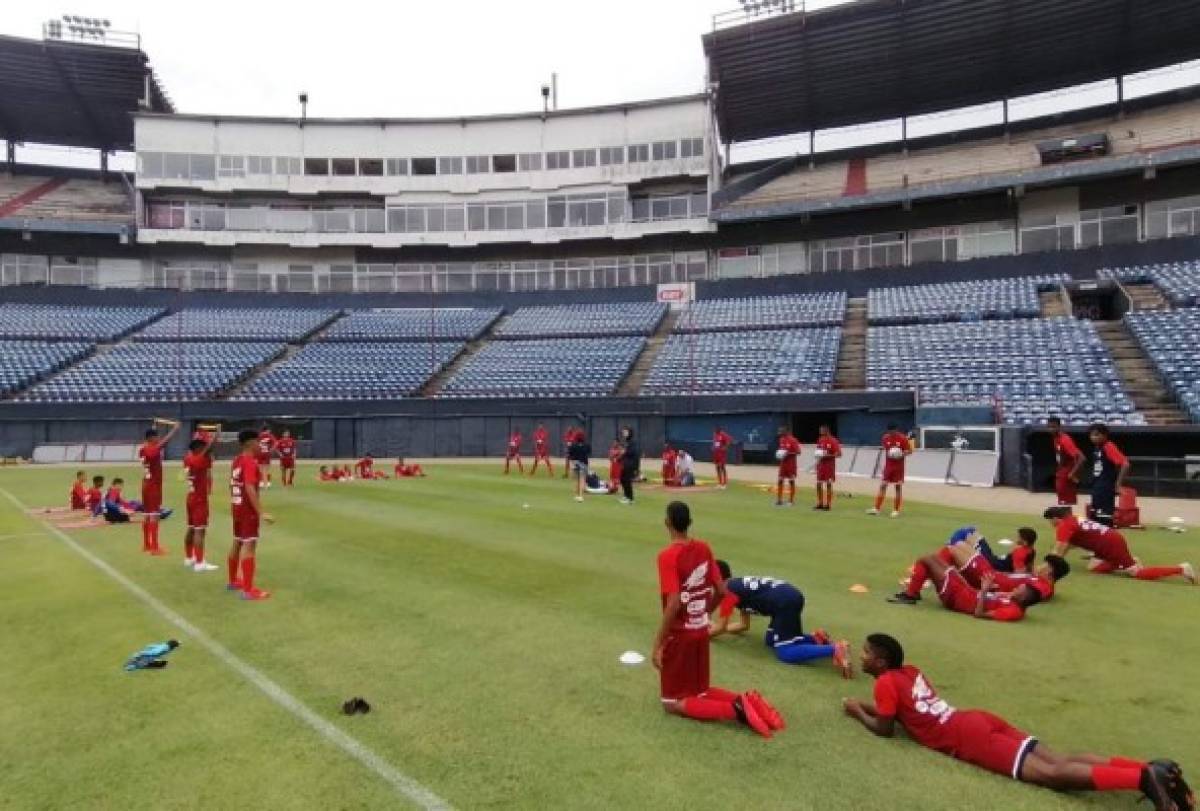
{"x":1068,"y":460}
{"x":541,"y":450}
{"x":1108,"y":547}
{"x":896,"y":448}
{"x":95,"y":496}
{"x":616,"y":452}
{"x":904,"y":695}
{"x":266,"y":444}
{"x":324,"y":474}
{"x":197,"y":464}
{"x":152,"y":483}
{"x":285,"y":449}
{"x":404,"y":471}
{"x":668,"y":464}
{"x":788,"y":455}
{"x":76,"y":499}
{"x":365,"y":468}
{"x":513,"y":451}
{"x":828,"y":451}
{"x":690,"y":585}
{"x":720,"y":455}
{"x":967,"y":551}
{"x":245,"y":477}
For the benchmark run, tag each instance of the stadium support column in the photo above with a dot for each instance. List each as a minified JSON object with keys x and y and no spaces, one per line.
{"x":10,"y":153}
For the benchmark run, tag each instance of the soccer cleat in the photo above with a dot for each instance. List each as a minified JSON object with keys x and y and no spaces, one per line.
{"x":818,"y":506}
{"x":820,"y":636}
{"x":165,"y":513}
{"x":234,"y":586}
{"x":1153,"y":786}
{"x":255,"y":594}
{"x":1189,"y":572}
{"x":748,"y":715}
{"x":903,"y":599}
{"x":778,"y":503}
{"x":188,"y":563}
{"x":895,"y":513}
{"x":205,"y":566}
{"x":626,"y":501}
{"x":841,"y":658}
{"x":872,"y":511}
{"x":765,"y":710}
{"x":1177,"y":788}
{"x":579,"y":498}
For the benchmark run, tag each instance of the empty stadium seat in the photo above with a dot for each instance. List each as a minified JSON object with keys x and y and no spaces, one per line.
{"x":578,"y":320}
{"x":236,"y":324}
{"x":23,"y":363}
{"x":1169,"y":339}
{"x":1179,"y":281}
{"x":959,"y":301}
{"x":441,"y":324}
{"x":555,"y":367}
{"x":758,"y":361}
{"x":84,"y":322}
{"x":764,"y":312}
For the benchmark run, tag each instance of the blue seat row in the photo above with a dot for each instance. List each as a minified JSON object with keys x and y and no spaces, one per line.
{"x":554,"y":367}
{"x":408,"y":324}
{"x":72,"y":322}
{"x":1169,"y":339}
{"x":764,"y":312}
{"x":959,"y":301}
{"x":236,"y":324}
{"x":577,"y":320}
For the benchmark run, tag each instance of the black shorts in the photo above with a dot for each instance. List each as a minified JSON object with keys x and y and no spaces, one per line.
{"x":1104,"y":502}
{"x":116,"y":518}
{"x":786,"y":626}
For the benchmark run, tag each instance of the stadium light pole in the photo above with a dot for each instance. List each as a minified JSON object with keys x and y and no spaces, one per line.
{"x":302,"y":97}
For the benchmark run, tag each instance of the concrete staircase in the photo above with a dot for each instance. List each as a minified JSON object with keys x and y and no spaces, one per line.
{"x":632,"y":384}
{"x":435,"y":384}
{"x":852,"y":354}
{"x":1138,"y":375}
{"x":1145,"y":296}
{"x":1054,"y":303}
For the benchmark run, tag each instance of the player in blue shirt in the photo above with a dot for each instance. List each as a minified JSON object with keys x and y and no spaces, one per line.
{"x":783,"y":603}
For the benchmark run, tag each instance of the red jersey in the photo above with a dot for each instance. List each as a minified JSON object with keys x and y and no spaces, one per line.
{"x":514,"y":441}
{"x":94,"y":498}
{"x":1066,"y":453}
{"x":904,"y":694}
{"x":151,"y":455}
{"x":895,"y":439}
{"x":243,"y":476}
{"x":720,"y":444}
{"x":1089,"y":535}
{"x":830,"y":448}
{"x":198,"y":467}
{"x":540,"y":436}
{"x":1021,"y":557}
{"x":266,"y":442}
{"x":364,"y":468}
{"x":79,"y":496}
{"x":790,"y":445}
{"x":687,"y":568}
{"x":113,"y":496}
{"x":286,"y":448}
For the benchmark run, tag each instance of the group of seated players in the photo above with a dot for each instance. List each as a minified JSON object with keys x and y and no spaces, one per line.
{"x":96,"y":505}
{"x":970,"y":579}
{"x":364,"y":469}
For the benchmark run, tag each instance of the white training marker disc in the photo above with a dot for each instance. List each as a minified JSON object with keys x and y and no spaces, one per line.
{"x":1004,"y":542}
{"x":1175,"y":520}
{"x":632,"y":657}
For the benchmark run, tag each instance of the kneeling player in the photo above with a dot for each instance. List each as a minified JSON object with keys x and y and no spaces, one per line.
{"x":784,"y":604}
{"x":689,"y":584}
{"x":904,"y":695}
{"x":1110,"y":551}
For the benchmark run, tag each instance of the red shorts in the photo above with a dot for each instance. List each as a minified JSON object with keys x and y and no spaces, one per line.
{"x":541,"y":453}
{"x":719,"y":457}
{"x":826,"y":471}
{"x":1066,"y":490}
{"x":513,"y":454}
{"x":287,"y":464}
{"x":685,"y":666}
{"x":1115,"y":551}
{"x":245,"y":527}
{"x":263,"y":459}
{"x":197,"y":512}
{"x":991,"y":743}
{"x":956,"y":594}
{"x":893,"y":473}
{"x":151,"y":497}
{"x":978,"y":567}
{"x":787,"y":468}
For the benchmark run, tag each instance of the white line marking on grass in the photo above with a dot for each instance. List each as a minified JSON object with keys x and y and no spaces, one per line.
{"x":22,"y":535}
{"x":402,"y":783}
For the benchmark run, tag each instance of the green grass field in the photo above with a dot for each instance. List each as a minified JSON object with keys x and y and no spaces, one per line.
{"x":486,"y":637}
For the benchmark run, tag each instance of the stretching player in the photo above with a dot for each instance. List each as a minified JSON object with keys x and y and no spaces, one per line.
{"x":76,"y":500}
{"x":1020,"y":560}
{"x":247,"y":512}
{"x":198,"y":464}
{"x":514,"y":451}
{"x":690,"y":585}
{"x":404,"y":471}
{"x":721,"y":442}
{"x":904,"y":695}
{"x":266,"y":444}
{"x":152,"y":483}
{"x":896,"y":448}
{"x":784,"y":604}
{"x":1110,"y":551}
{"x":285,"y":448}
{"x":787,"y":454}
{"x":1068,"y":460}
{"x":116,"y":510}
{"x":828,"y":451}
{"x":541,"y":450}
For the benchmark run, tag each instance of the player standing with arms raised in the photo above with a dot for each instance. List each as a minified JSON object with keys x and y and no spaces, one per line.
{"x":828,"y":451}
{"x":285,"y":448}
{"x":1068,"y":460}
{"x":720,"y":454}
{"x":197,"y":464}
{"x":788,"y":454}
{"x":514,"y":451}
{"x":896,"y":448}
{"x":266,"y":444}
{"x":152,"y":483}
{"x":247,"y":513}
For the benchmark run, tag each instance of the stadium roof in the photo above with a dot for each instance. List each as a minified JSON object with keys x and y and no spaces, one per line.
{"x":74,"y":94}
{"x":875,"y":60}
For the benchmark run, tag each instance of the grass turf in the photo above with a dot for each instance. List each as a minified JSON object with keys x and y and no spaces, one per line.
{"x":486,"y":637}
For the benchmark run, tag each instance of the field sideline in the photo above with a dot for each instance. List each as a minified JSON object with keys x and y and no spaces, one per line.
{"x":486,"y":637}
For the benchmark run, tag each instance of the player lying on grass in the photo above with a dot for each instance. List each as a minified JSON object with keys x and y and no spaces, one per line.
{"x":326,"y":474}
{"x":783,"y":603}
{"x":404,"y":471}
{"x":903,"y":695}
{"x":984,"y":602}
{"x":690,"y":585}
{"x":1108,"y":547}
{"x":115,"y":509}
{"x":365,"y":468}
{"x":1020,"y":560}
{"x":968,"y":552}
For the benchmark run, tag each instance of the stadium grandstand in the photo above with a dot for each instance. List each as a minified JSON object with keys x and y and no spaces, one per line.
{"x":613,"y":259}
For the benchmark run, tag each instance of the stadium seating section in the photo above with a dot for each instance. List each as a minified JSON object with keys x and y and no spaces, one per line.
{"x":23,"y":363}
{"x":352,"y":371}
{"x":581,"y":320}
{"x":764,"y":312}
{"x":412,"y":324}
{"x":1169,"y":339}
{"x":1032,"y":367}
{"x":71,"y":199}
{"x":237,"y":324}
{"x":556,"y":367}
{"x":155,"y":371}
{"x":1179,"y":281}
{"x":753,"y":361}
{"x":958,"y":301}
{"x":83,"y":323}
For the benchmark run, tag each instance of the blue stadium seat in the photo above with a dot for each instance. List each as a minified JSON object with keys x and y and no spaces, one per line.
{"x":236,"y":324}
{"x":409,"y":324}
{"x":959,"y":301}
{"x":1169,"y":339}
{"x":553,"y":367}
{"x":1179,"y":281}
{"x":764,"y":312}
{"x":580,"y":320}
{"x":82,"y":322}
{"x":23,"y":363}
